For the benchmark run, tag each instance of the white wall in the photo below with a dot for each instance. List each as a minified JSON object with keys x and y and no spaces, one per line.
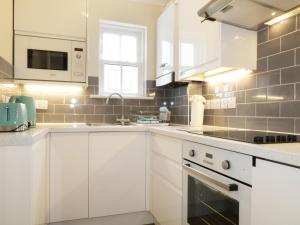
{"x":6,"y":29}
{"x":125,"y":11}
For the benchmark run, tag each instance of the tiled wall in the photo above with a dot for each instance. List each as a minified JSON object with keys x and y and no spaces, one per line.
{"x":87,"y":109}
{"x":268,"y":100}
{"x":6,"y":69}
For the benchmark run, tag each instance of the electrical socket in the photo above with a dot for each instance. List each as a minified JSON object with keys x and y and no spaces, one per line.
{"x":41,"y":104}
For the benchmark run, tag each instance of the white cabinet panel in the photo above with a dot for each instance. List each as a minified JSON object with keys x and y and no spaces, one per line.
{"x":165,"y":41}
{"x":276,"y":195}
{"x":56,"y":17}
{"x":68,"y":176}
{"x":166,"y":201}
{"x":117,"y":173}
{"x":166,"y":180}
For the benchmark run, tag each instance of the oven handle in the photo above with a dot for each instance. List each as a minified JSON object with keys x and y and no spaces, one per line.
{"x":227,"y":187}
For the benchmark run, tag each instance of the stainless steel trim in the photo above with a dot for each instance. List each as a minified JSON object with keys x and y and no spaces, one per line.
{"x":227,"y":187}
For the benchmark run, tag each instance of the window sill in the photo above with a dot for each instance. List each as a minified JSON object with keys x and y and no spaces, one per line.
{"x":125,"y":97}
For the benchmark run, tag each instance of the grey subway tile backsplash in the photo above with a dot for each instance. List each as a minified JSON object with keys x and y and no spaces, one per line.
{"x":268,"y":48}
{"x":256,"y":95}
{"x":290,"y":75}
{"x":281,"y":60}
{"x":279,"y":29}
{"x":262,"y":35}
{"x":281,"y":93}
{"x":267,"y":109}
{"x":268,"y":78}
{"x":246,"y":110}
{"x":281,"y":125}
{"x":290,"y":41}
{"x":262,"y":65}
{"x":290,"y":109}
{"x":298,"y":56}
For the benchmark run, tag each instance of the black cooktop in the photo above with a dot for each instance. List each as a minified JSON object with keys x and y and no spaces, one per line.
{"x":255,"y":137}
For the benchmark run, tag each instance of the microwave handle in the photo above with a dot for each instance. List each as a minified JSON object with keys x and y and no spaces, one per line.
{"x":227,"y":187}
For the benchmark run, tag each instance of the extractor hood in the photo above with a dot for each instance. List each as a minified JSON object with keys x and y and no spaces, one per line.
{"x":249,"y":14}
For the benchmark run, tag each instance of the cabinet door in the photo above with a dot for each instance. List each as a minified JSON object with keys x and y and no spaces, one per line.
{"x":276,"y":195}
{"x":166,"y":180}
{"x":165,"y":41}
{"x":117,"y":173}
{"x":68,"y":176}
{"x":199,"y":43}
{"x":55,"y":17}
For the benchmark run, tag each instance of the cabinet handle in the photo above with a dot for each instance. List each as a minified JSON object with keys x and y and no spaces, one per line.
{"x":227,"y":187}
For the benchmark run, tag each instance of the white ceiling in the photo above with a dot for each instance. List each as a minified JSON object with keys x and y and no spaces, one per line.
{"x":153,"y":2}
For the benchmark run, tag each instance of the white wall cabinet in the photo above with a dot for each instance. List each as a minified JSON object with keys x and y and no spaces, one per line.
{"x":69,"y":176}
{"x":65,"y":18}
{"x":276,"y":195}
{"x":166,"y":180}
{"x":117,"y":173}
{"x":201,"y":47}
{"x":24,"y":184}
{"x":166,"y":41}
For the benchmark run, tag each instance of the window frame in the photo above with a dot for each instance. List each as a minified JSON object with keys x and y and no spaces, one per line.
{"x":124,"y":28}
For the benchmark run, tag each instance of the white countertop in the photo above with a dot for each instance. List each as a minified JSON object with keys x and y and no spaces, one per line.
{"x":283,"y":153}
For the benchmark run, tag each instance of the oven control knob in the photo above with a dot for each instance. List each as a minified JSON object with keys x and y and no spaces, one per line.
{"x":192,"y":153}
{"x":78,"y":56}
{"x":226,"y":165}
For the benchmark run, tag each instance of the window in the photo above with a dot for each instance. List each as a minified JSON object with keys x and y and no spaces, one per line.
{"x":122,"y":59}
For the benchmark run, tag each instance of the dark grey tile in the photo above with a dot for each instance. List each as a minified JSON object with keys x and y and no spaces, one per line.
{"x":95,"y":118}
{"x":268,"y":78}
{"x":90,"y":90}
{"x":94,"y":101}
{"x":281,"y":60}
{"x":40,"y":118}
{"x":290,"y":109}
{"x":256,"y":95}
{"x":262,"y":65}
{"x":64,"y":109}
{"x":298,"y":55}
{"x":267,"y":109}
{"x":221,"y":121}
{"x":110,"y":118}
{"x":150,"y":83}
{"x":262,"y":36}
{"x":181,"y":120}
{"x":195,"y":88}
{"x":240,"y":96}
{"x":55,"y":99}
{"x":248,"y":82}
{"x":281,"y":125}
{"x":282,"y":28}
{"x":209,"y":120}
{"x":237,"y":122}
{"x":297,"y":126}
{"x":183,"y":90}
{"x":246,"y":109}
{"x":117,"y":110}
{"x":256,"y":123}
{"x":74,"y":99}
{"x":74,"y":118}
{"x":290,"y":41}
{"x":93,"y":81}
{"x":298,"y":91}
{"x":281,"y":93}
{"x":290,"y":75}
{"x":54,"y":118}
{"x":84,"y":109}
{"x":147,"y":102}
{"x":104,"y":109}
{"x":298,"y":22}
{"x":268,"y":48}
{"x":129,"y":102}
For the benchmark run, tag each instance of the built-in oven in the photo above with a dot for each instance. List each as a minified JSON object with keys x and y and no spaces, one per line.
{"x":214,"y":190}
{"x":40,"y":58}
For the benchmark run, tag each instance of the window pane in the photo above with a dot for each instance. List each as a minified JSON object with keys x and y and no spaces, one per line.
{"x":111,"y":47}
{"x":129,"y":48}
{"x":130,"y":79}
{"x":112,"y":78}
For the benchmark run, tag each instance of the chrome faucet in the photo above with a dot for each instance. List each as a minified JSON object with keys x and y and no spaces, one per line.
{"x":123,"y":121}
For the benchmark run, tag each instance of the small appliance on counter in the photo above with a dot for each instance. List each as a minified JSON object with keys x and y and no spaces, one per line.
{"x":197,"y":111}
{"x":164,"y":115}
{"x":13,"y":117}
{"x":30,"y":106}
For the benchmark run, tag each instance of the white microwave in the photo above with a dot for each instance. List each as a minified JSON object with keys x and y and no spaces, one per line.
{"x":49,"y":59}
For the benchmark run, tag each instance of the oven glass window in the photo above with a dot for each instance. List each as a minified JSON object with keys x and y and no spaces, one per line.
{"x":48,"y":60}
{"x":207,"y":206}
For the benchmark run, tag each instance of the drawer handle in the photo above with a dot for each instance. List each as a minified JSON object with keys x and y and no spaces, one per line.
{"x":227,"y":187}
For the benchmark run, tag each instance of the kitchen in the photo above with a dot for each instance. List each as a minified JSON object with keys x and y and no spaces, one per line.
{"x":201,"y":96}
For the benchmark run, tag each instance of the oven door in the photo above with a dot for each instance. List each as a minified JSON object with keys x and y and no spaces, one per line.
{"x":43,"y":58}
{"x":212,"y":199}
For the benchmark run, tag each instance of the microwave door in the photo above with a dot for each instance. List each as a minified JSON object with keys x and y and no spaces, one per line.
{"x":42,"y":58}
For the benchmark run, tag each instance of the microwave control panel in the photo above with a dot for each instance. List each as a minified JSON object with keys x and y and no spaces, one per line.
{"x":78,"y":61}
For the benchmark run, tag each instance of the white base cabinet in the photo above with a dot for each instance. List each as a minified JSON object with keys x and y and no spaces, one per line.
{"x":166,"y":180}
{"x":117,"y":173}
{"x":24,"y":184}
{"x":69,"y":176}
{"x":276,"y":194}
